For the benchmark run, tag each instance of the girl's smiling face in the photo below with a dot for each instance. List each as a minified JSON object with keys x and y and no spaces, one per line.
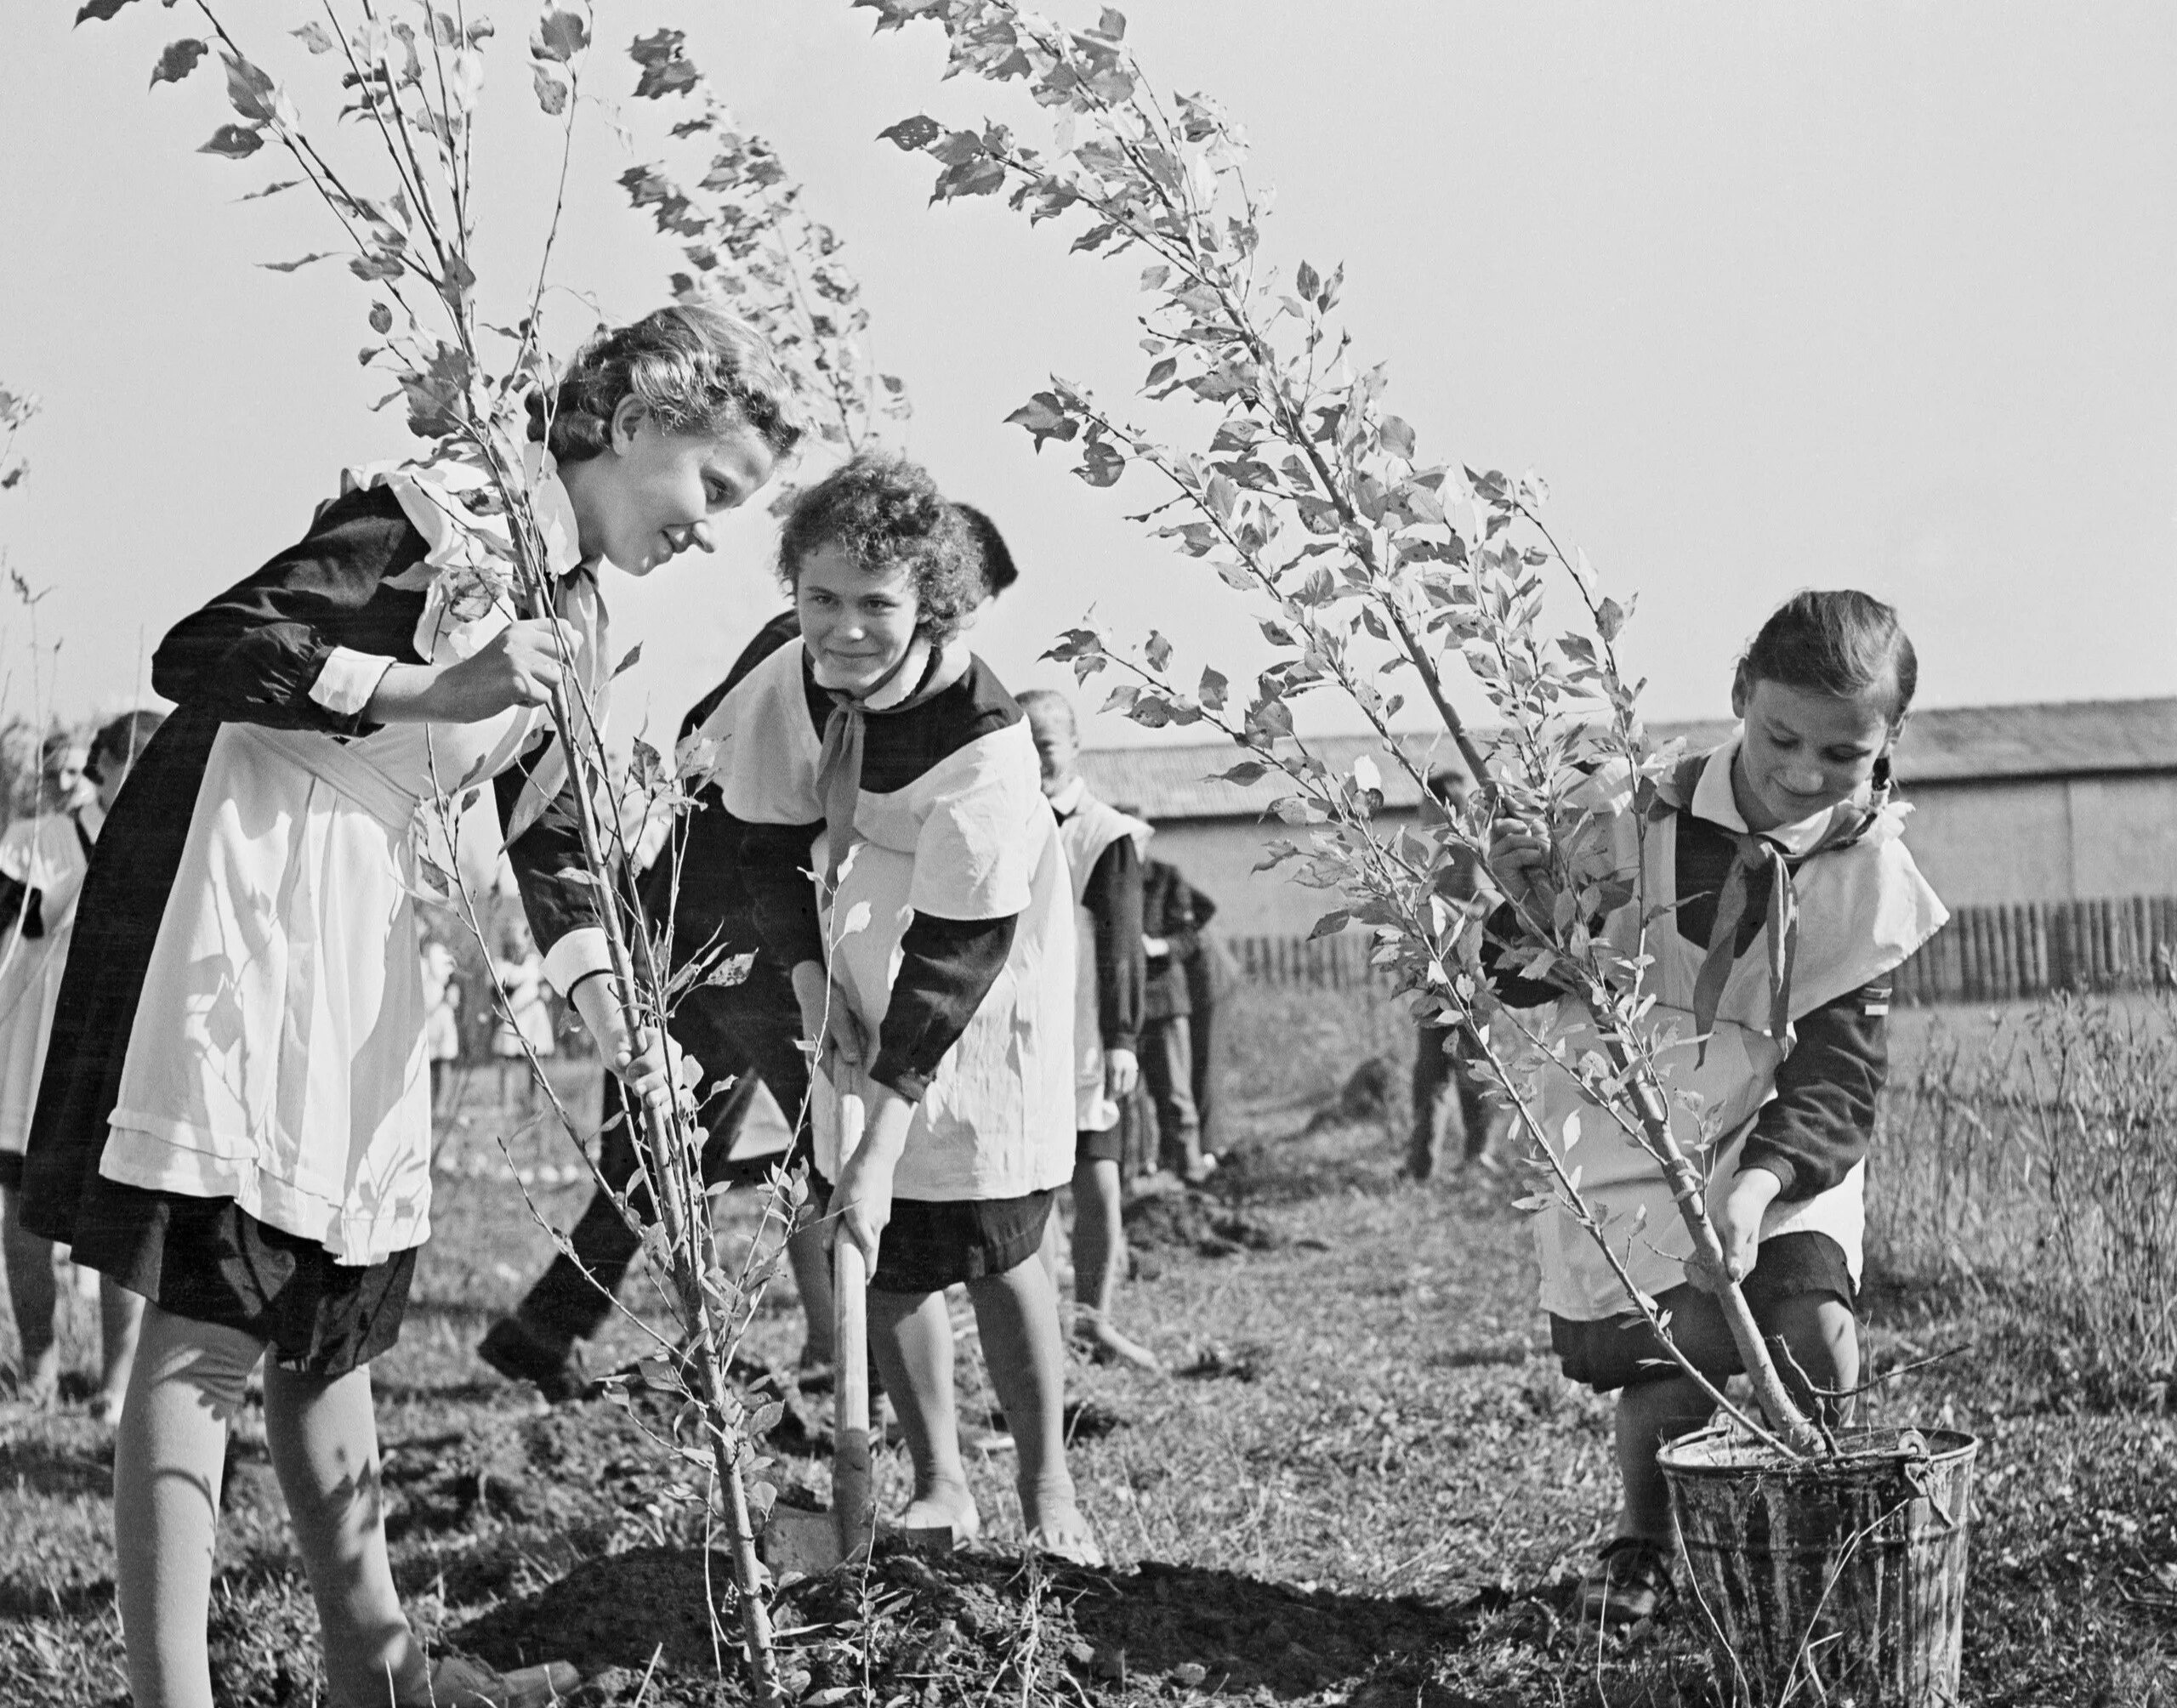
{"x":651,"y":494}
{"x":1802,"y":752}
{"x":857,"y":624}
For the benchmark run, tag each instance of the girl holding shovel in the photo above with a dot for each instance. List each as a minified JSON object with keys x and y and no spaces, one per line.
{"x":933,"y":960}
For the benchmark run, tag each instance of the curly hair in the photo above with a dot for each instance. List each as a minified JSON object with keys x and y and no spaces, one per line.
{"x":886,"y":513}
{"x":693,"y":369}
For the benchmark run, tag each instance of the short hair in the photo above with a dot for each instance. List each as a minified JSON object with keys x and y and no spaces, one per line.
{"x":1028,"y":699}
{"x":886,"y":513}
{"x":693,"y":369}
{"x":124,"y":738}
{"x":999,"y":570}
{"x":1841,"y":643}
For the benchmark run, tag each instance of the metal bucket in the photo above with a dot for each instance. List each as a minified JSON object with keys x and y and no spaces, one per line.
{"x":1838,"y":1580}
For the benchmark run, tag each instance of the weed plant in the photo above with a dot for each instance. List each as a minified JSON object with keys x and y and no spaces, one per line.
{"x":2032,"y":1160}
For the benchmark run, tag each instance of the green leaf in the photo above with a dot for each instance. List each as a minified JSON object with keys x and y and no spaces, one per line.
{"x":100,"y":9}
{"x":381,"y":318}
{"x":1158,"y":652}
{"x":1331,"y":924}
{"x":1307,"y":281}
{"x":558,"y":36}
{"x":295,"y":265}
{"x":1397,"y":437}
{"x":313,"y":37}
{"x":913,"y":134}
{"x":1609,"y":618}
{"x":1212,"y":690}
{"x":178,"y":61}
{"x":1045,"y":417}
{"x":235,"y":141}
{"x":1249,"y":771}
{"x":1101,"y":465}
{"x":627,"y":664}
{"x":273,"y":189}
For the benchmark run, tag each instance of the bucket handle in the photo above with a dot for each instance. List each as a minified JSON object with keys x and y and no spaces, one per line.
{"x":1919,"y":1477}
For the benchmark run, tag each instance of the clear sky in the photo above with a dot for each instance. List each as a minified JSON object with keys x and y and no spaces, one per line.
{"x":1867,"y":294}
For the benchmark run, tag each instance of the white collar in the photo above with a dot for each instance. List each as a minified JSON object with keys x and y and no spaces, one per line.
{"x":1067,"y":801}
{"x":1714,"y":800}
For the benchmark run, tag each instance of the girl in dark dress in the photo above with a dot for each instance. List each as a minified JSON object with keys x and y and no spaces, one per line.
{"x":235,"y":1120}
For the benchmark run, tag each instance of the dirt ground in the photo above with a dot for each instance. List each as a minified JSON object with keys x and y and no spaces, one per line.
{"x":1364,"y":1482}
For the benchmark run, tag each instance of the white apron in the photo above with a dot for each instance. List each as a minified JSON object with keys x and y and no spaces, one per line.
{"x":1862,"y":910}
{"x":277,"y":1056}
{"x":1089,"y":828}
{"x":44,"y":853}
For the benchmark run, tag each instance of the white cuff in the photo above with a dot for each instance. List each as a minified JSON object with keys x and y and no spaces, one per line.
{"x":344,"y":686}
{"x":580,"y":953}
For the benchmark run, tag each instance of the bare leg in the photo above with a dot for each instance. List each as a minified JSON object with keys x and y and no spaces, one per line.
{"x":186,"y":1385}
{"x":1017,"y":1314}
{"x":323,"y":1440}
{"x":121,"y":1314}
{"x":911,"y":1336}
{"x":1097,"y":1254}
{"x":809,"y":1254}
{"x":30,"y":1286}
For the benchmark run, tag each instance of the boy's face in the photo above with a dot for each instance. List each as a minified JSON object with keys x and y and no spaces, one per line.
{"x":62,"y":770}
{"x":1057,"y":744}
{"x":1804,"y":752}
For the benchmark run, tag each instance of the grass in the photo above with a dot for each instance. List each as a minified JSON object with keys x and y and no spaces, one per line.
{"x":1366,"y":1484}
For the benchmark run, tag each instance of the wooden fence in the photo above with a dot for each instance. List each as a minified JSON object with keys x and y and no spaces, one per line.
{"x":1984,"y":955}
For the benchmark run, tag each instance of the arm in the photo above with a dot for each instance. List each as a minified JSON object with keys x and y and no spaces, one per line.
{"x":1113,"y":898}
{"x":292,"y":647}
{"x":947,"y":968}
{"x":1820,"y":1123}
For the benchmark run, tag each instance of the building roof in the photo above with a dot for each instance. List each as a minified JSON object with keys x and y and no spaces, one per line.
{"x":1941,"y":745}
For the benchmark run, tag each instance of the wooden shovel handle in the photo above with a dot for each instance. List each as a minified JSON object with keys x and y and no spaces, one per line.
{"x":850,"y":1501}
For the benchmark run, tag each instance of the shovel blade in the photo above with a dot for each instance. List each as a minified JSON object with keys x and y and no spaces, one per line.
{"x":797,"y":1540}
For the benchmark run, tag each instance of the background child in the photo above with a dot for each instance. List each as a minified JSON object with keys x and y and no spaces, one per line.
{"x":1798,"y":798}
{"x":1103,"y":856}
{"x":1174,"y":914}
{"x":236,"y":1119}
{"x":877,"y":747}
{"x":43,"y":860}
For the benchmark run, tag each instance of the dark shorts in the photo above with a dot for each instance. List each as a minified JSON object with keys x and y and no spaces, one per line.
{"x":11,"y":1170}
{"x":1107,"y":1146}
{"x":928,"y":1245}
{"x":208,"y":1260}
{"x":1622,"y":1352}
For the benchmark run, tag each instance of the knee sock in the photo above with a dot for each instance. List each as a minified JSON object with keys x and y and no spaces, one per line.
{"x":323,"y":1440}
{"x":185,"y":1389}
{"x":31,"y":1290}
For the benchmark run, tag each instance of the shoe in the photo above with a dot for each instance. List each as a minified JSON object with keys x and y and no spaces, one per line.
{"x":520,"y":1355}
{"x":459,"y":1682}
{"x":1628,"y":1582}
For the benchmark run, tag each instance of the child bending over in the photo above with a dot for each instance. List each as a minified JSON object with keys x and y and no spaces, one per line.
{"x":1795,"y":807}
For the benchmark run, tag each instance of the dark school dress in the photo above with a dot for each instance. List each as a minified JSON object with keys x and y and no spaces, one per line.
{"x":268,"y":1095}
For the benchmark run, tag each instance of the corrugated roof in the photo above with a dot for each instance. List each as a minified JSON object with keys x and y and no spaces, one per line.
{"x":1941,"y":745}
